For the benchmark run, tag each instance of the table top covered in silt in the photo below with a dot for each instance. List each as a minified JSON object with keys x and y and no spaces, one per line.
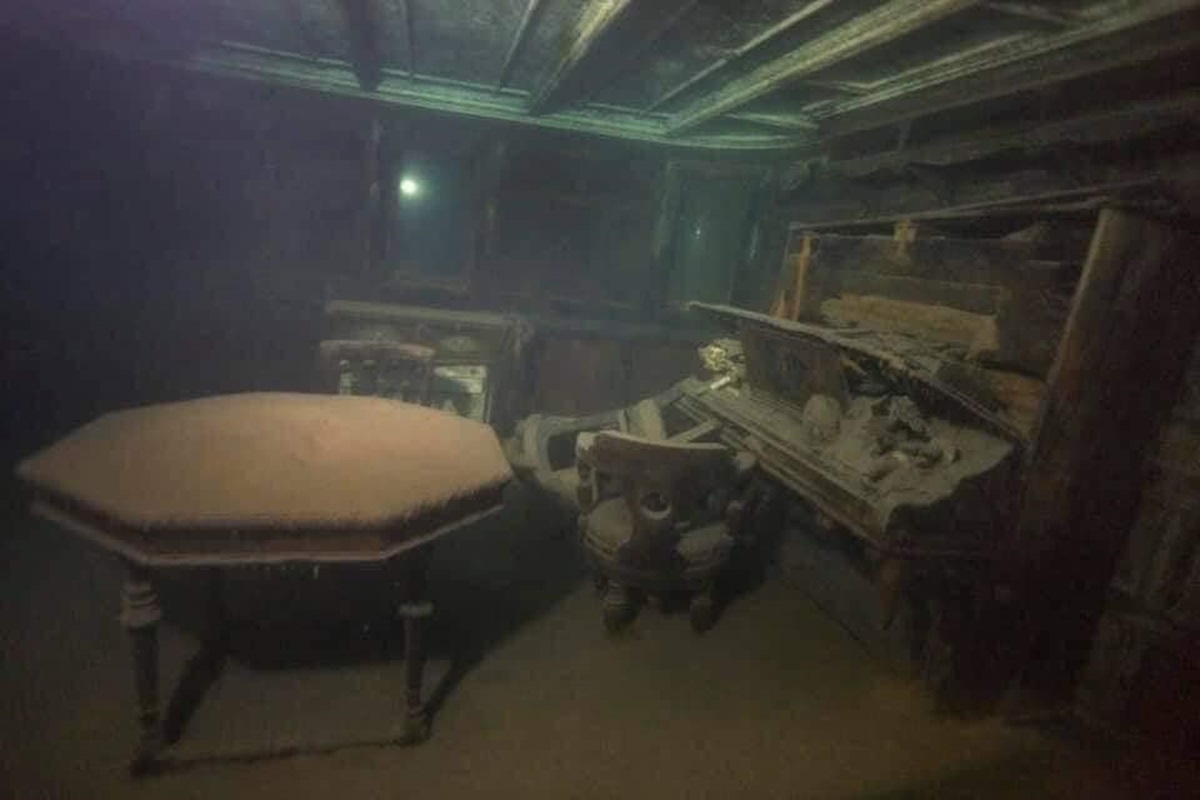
{"x":269,"y":477}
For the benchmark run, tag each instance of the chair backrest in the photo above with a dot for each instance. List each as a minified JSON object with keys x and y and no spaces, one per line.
{"x":644,"y":419}
{"x":663,"y":482}
{"x":398,"y":370}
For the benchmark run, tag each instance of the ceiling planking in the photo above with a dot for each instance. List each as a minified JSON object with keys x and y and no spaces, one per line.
{"x":1141,"y":31}
{"x":885,"y":23}
{"x":465,"y":40}
{"x":973,"y":27}
{"x":791,"y":76}
{"x":710,"y":36}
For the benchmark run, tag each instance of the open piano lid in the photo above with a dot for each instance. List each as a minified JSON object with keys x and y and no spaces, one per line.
{"x":905,"y":359}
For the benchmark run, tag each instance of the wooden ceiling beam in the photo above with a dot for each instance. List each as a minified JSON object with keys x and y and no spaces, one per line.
{"x":840,"y":87}
{"x":648,"y":35}
{"x":1022,"y":64}
{"x":762,"y":38}
{"x":467,"y":100}
{"x":1036,"y":12}
{"x":1120,"y":123}
{"x":609,"y":34}
{"x":528,"y":20}
{"x":404,"y":11}
{"x":972,"y":198}
{"x":595,"y":20}
{"x":781,"y":121}
{"x":363,"y":32}
{"x":885,"y":24}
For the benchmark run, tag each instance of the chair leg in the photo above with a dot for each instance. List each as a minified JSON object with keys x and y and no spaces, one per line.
{"x":619,"y":608}
{"x":140,"y":614}
{"x":703,"y":610}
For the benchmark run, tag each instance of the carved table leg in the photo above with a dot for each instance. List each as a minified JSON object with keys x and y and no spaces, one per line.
{"x":140,"y":614}
{"x":415,"y":608}
{"x":619,"y":608}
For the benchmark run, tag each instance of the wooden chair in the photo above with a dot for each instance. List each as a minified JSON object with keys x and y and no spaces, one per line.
{"x":396,"y":370}
{"x":658,"y":517}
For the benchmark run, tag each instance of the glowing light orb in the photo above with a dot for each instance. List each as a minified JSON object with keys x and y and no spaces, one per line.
{"x":410,"y":187}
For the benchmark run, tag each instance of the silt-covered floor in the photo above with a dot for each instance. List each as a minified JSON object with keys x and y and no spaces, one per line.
{"x":776,"y":701}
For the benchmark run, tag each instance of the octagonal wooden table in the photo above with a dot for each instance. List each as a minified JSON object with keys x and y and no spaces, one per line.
{"x":267,"y":478}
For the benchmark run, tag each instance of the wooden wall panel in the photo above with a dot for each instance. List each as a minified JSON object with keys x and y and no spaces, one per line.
{"x":576,"y":376}
{"x":1123,"y":355}
{"x":1160,"y":570}
{"x":1017,"y":303}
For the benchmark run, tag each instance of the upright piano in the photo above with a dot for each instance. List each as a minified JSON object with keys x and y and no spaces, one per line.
{"x":884,"y":435}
